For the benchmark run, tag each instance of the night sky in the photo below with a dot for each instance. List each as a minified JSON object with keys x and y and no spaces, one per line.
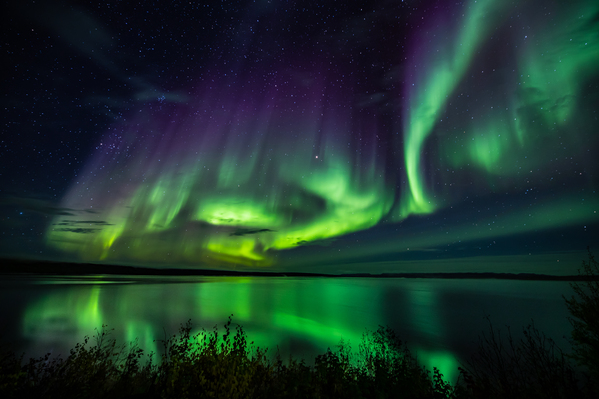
{"x":382,"y":136}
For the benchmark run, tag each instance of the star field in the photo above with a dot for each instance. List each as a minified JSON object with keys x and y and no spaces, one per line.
{"x":317,"y":136}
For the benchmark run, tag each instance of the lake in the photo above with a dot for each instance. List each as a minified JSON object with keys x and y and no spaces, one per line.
{"x":440,"y":319}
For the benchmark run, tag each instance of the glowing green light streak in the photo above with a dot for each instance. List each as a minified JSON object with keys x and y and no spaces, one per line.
{"x":237,"y":212}
{"x":448,"y":68}
{"x":486,"y":150}
{"x":350,"y":205}
{"x":141,"y":333}
{"x":554,"y":66}
{"x":569,"y":210}
{"x":444,"y":361}
{"x":75,"y":312}
{"x":242,"y":250}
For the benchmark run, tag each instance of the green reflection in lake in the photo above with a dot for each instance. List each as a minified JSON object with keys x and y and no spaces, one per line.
{"x":298,"y":316}
{"x":64,"y":312}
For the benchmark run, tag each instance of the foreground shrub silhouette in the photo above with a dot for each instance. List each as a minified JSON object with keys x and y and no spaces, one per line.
{"x":383,"y":367}
{"x":91,"y":371}
{"x":388,"y":365}
{"x":215,"y":365}
{"x":209,"y":365}
{"x":531,"y":367}
{"x":584,"y":308}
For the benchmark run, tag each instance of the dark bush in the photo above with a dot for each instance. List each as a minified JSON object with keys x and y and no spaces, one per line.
{"x":531,"y":367}
{"x":584,"y":308}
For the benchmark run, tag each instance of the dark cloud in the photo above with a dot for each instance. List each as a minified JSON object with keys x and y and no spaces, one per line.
{"x":37,"y":205}
{"x":76,"y":222}
{"x":320,"y":243}
{"x":46,"y":207}
{"x":243,"y":232}
{"x":79,"y":230}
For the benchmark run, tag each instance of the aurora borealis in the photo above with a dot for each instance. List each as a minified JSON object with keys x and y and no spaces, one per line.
{"x":321,"y":137}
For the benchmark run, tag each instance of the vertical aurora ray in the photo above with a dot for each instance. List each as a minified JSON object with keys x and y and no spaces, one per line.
{"x":438,"y":69}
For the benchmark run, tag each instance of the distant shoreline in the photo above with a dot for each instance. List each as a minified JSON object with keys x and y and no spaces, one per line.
{"x":50,"y":268}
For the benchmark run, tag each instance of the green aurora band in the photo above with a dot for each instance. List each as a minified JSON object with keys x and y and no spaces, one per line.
{"x":228,"y":198}
{"x":553,"y":65}
{"x":246,"y":171}
{"x":449,"y":63}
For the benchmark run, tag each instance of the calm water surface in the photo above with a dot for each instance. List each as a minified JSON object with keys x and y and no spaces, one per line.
{"x":440,"y":319}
